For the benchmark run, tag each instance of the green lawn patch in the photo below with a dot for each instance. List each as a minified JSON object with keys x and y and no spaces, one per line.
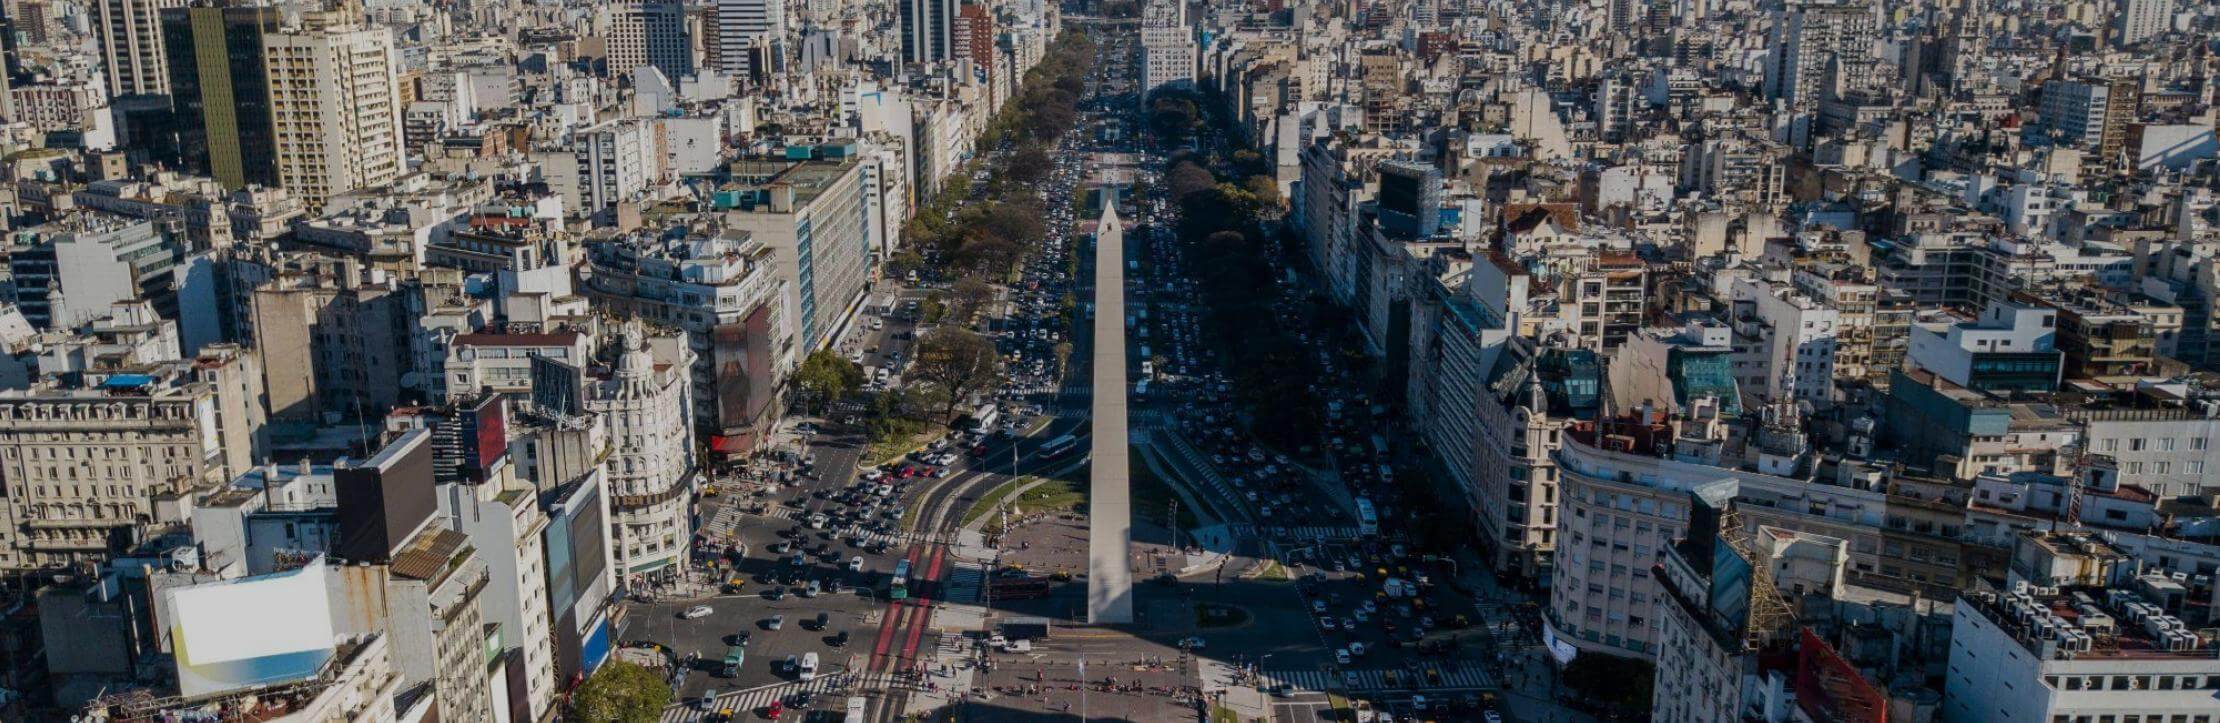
{"x":986,"y":504}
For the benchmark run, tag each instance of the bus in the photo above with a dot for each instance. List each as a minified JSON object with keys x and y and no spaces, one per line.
{"x":1368,"y":521}
{"x":1058,"y":446}
{"x":1018,"y":588}
{"x":899,"y":588}
{"x":984,"y":419}
{"x":735,"y":657}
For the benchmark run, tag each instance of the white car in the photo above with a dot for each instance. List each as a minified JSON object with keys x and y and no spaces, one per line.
{"x":855,"y":564}
{"x":696,"y":612}
{"x":1341,"y":656}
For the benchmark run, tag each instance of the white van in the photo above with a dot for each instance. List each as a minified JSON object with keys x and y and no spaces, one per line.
{"x":808,"y":670}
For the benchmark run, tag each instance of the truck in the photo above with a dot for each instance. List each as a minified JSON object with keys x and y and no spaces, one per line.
{"x":735,"y":657}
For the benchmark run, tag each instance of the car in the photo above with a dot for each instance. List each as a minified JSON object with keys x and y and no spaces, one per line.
{"x":1318,"y":606}
{"x":1362,"y":616}
{"x":1326,"y":623}
{"x":697,"y":612}
{"x":777,"y":708}
{"x":1492,"y":717}
{"x":1419,"y":703}
{"x":1370,"y":606}
{"x":1349,"y":623}
{"x":776,"y":622}
{"x":1341,"y":655}
{"x":708,"y":699}
{"x":840,"y":640}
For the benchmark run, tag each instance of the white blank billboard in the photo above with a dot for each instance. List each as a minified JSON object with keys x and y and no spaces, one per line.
{"x":254,"y":631}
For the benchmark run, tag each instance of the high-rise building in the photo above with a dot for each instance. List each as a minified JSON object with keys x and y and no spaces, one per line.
{"x":335,"y":108}
{"x":975,"y":34}
{"x":1810,"y":42}
{"x":1168,"y":48}
{"x":928,"y":30}
{"x":221,"y":92}
{"x":2139,"y":20}
{"x":812,"y":215}
{"x":131,"y":47}
{"x":2091,"y":113}
{"x":649,"y":32}
{"x":750,"y":35}
{"x":616,"y":163}
{"x":313,"y":105}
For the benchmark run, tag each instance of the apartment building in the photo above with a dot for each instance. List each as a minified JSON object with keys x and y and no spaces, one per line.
{"x":115,"y":457}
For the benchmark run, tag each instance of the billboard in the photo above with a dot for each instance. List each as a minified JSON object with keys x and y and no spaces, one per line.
{"x":558,"y":386}
{"x":744,"y":358}
{"x":577,"y":549}
{"x":486,"y":431}
{"x":257,"y":631}
{"x":385,"y":499}
{"x":1830,"y":689}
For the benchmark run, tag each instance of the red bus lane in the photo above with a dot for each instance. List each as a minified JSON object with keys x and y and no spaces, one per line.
{"x":924,"y":617}
{"x":888,"y":623}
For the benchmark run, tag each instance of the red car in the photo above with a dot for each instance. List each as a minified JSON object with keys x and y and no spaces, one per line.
{"x":777,"y":707}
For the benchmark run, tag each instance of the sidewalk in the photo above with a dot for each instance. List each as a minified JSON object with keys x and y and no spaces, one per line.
{"x":1244,"y":700}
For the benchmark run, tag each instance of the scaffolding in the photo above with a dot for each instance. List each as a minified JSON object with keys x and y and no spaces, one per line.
{"x":1770,"y":615}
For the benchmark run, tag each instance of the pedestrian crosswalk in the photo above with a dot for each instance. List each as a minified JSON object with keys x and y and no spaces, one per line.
{"x":744,"y":703}
{"x":1429,"y":677}
{"x":1316,"y":533}
{"x":1200,"y":463}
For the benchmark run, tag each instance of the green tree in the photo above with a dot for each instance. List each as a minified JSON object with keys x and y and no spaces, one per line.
{"x":968,"y":296}
{"x":957,"y":361}
{"x":1063,"y":356}
{"x":1188,"y":179}
{"x":825,"y":376}
{"x":620,"y":692}
{"x":1029,"y":164}
{"x":934,"y":308}
{"x":904,"y":261}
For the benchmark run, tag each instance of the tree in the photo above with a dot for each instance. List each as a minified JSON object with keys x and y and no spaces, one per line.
{"x":1187,"y":179}
{"x":826,"y":376}
{"x":1029,"y":164}
{"x":904,"y":261}
{"x":959,"y":361}
{"x":620,"y":692}
{"x":933,"y":309}
{"x":970,"y":295}
{"x":1265,"y":190}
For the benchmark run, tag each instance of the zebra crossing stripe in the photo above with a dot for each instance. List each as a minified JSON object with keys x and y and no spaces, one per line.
{"x":745,"y":702}
{"x":1465,"y":676}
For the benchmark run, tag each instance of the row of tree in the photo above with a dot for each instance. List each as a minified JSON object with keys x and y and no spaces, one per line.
{"x":1274,"y":372}
{"x":975,"y":234}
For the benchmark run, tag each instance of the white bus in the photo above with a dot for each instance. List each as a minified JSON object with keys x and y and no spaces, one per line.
{"x":1368,"y":520}
{"x":984,"y":419}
